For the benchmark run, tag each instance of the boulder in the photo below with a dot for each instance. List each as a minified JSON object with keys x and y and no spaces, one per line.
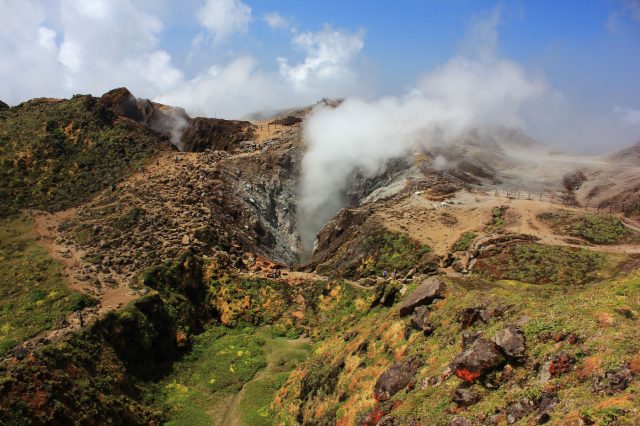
{"x":468,"y":317}
{"x":3,"y":106}
{"x":511,"y":341}
{"x":460,"y":421}
{"x":465,"y":397}
{"x":469,"y":338}
{"x":481,"y":358}
{"x":614,"y":381}
{"x":515,"y":412}
{"x":430,"y":289}
{"x":396,"y":378}
{"x":420,"y":320}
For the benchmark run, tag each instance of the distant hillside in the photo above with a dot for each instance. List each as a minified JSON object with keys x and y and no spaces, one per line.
{"x":630,"y":155}
{"x":56,"y":153}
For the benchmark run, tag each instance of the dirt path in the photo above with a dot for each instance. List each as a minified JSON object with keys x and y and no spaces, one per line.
{"x":73,"y":271}
{"x":440,"y":226}
{"x":111,"y":289}
{"x":265,"y":131}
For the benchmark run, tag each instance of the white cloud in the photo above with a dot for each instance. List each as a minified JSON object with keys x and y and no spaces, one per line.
{"x":361,"y":136}
{"x":633,"y":7}
{"x":29,"y":66}
{"x":482,"y":35}
{"x":491,"y":92}
{"x":230,"y":91}
{"x":240,"y":87}
{"x":627,"y":115}
{"x":111,"y":43}
{"x":276,"y":21}
{"x":223,"y":18}
{"x":100,"y":45}
{"x":329,"y":59}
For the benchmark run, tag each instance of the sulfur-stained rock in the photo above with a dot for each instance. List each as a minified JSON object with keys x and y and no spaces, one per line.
{"x":556,"y":365}
{"x":482,"y":357}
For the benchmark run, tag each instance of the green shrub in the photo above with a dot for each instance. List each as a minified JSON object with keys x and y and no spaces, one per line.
{"x":599,"y":229}
{"x":541,"y":264}
{"x":465,"y":241}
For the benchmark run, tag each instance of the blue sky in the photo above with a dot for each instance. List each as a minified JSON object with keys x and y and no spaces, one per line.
{"x":577,"y":44}
{"x":225,"y":58}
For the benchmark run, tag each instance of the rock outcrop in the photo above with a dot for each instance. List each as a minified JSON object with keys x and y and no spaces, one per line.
{"x":430,"y":289}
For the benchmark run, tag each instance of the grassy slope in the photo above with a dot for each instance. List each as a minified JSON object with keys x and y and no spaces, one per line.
{"x":597,"y":313}
{"x":283,"y":355}
{"x":202,"y":386}
{"x":55,"y":155}
{"x":32,"y":294}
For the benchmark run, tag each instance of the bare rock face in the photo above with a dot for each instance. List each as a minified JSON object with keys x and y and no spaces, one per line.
{"x":481,"y":358}
{"x":430,"y":289}
{"x":214,"y":134}
{"x":396,"y":378}
{"x":122,"y":102}
{"x":511,"y":341}
{"x":289,"y":120}
{"x":3,"y":106}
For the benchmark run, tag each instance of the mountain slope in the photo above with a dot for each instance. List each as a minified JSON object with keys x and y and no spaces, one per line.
{"x":444,"y":301}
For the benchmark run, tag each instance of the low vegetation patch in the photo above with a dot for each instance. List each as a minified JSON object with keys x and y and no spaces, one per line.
{"x":540,"y":264}
{"x":222,"y":363}
{"x":32,"y":295}
{"x":592,"y":227}
{"x":497,"y":221}
{"x":465,"y":241}
{"x":390,"y":251}
{"x":379,"y":251}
